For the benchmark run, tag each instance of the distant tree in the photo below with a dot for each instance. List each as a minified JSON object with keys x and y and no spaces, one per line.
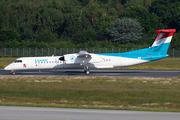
{"x":84,"y":2}
{"x":155,"y":23}
{"x":168,"y":11}
{"x":38,"y":23}
{"x":125,"y":30}
{"x":140,"y":13}
{"x":7,"y":35}
{"x":45,"y":36}
{"x":72,"y":25}
{"x":14,"y":22}
{"x":13,"y":44}
{"x":83,"y":36}
{"x":25,"y":31}
{"x":103,"y":1}
{"x":5,"y":23}
{"x":175,"y":41}
{"x":52,"y":18}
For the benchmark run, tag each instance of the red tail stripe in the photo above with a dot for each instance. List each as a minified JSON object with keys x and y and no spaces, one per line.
{"x":166,"y":30}
{"x":165,"y":33}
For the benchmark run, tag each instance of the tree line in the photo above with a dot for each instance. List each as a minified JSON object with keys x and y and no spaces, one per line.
{"x":86,"y":23}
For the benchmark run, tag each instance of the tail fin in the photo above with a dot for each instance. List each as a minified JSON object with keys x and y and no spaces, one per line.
{"x":162,"y":41}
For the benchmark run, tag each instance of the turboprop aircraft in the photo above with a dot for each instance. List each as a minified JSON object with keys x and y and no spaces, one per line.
{"x":86,"y":61}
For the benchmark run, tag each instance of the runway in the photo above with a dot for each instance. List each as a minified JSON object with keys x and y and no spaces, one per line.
{"x":96,"y":72}
{"x":42,"y":113}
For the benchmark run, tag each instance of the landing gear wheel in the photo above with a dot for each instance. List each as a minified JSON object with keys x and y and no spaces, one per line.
{"x":87,"y":72}
{"x":13,"y":73}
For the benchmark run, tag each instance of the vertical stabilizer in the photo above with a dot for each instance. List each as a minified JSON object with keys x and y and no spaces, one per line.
{"x":162,"y":41}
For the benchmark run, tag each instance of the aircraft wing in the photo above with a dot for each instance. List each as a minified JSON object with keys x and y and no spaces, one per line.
{"x":83,"y":57}
{"x":83,"y":54}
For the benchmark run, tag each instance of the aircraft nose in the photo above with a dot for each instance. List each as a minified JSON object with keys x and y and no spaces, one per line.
{"x":7,"y":67}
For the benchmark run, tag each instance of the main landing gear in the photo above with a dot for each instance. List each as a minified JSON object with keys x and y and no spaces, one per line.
{"x":86,"y":70}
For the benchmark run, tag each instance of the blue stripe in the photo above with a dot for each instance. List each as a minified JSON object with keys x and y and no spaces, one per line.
{"x":150,"y":54}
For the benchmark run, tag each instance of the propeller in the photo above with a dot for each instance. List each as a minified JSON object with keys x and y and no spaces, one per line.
{"x":61,"y":58}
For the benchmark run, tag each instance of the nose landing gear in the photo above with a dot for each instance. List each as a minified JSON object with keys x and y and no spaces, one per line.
{"x":13,"y":72}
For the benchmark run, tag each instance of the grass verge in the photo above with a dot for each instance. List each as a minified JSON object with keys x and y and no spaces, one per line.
{"x":152,"y":94}
{"x":162,"y":64}
{"x":6,"y":61}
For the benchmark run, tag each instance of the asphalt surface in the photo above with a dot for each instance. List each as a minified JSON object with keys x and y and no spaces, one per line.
{"x":96,"y":72}
{"x":42,"y":113}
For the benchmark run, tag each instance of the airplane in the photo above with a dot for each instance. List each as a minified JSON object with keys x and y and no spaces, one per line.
{"x":87,"y":61}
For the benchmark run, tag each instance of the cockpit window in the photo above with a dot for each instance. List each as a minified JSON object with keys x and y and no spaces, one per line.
{"x":18,"y":61}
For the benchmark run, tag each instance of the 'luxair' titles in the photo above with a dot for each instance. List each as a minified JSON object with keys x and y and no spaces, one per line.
{"x":44,"y":60}
{"x":41,"y":60}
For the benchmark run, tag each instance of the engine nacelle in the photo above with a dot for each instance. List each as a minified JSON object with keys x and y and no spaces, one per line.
{"x":69,"y":58}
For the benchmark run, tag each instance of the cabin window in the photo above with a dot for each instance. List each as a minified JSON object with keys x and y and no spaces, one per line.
{"x":52,"y":61}
{"x":18,"y":61}
{"x":41,"y":62}
{"x":49,"y":61}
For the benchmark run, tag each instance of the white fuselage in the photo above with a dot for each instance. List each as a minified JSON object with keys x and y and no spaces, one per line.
{"x":99,"y":61}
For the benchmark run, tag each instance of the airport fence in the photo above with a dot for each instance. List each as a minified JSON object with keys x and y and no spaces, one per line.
{"x":62,"y":51}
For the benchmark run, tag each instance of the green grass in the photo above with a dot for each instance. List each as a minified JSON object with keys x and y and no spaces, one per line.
{"x":5,"y":61}
{"x":167,"y":63}
{"x":157,"y":94}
